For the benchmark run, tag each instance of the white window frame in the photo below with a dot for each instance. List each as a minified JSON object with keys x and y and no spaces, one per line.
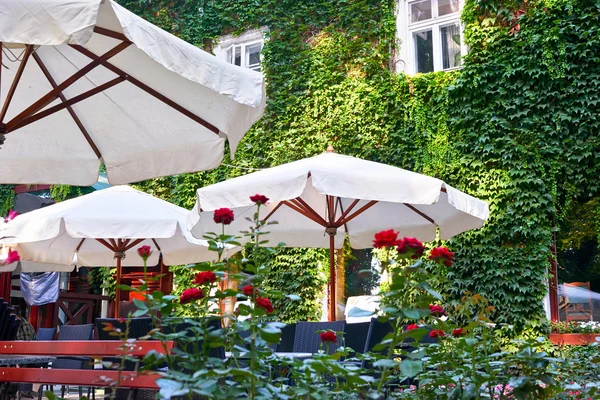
{"x":405,"y":29}
{"x":243,"y":42}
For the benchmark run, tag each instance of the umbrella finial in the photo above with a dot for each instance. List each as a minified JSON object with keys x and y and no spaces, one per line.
{"x":330,"y":149}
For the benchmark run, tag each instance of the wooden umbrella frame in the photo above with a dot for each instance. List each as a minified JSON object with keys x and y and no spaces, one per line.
{"x":331,"y":224}
{"x":119,"y":247}
{"x":36,"y":112}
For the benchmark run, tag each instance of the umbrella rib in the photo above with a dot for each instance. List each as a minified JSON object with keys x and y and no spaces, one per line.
{"x":147,"y":89}
{"x":156,"y":244}
{"x":330,"y":209}
{"x":15,"y":82}
{"x":80,"y":244}
{"x":304,"y":205}
{"x":422,"y":214}
{"x":53,"y":94}
{"x":75,"y":117}
{"x":345,"y":213}
{"x":358,"y":212}
{"x":106,"y":244}
{"x":272,"y":212}
{"x":66,"y":103}
{"x":112,"y":34}
{"x":132,"y":244}
{"x":303,"y":212}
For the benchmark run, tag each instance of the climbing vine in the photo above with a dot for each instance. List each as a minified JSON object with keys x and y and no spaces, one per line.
{"x":517,"y":126}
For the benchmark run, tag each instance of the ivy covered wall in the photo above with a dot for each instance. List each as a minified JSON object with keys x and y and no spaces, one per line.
{"x":517,"y":126}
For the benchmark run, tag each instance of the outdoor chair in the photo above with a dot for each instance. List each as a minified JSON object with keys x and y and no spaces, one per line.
{"x":46,"y":333}
{"x":174,"y":325}
{"x":9,"y":325}
{"x":578,"y":308}
{"x":73,"y":332}
{"x":42,"y":334}
{"x":288,"y":334}
{"x":355,"y":337}
{"x":138,"y":327}
{"x":307,"y":339}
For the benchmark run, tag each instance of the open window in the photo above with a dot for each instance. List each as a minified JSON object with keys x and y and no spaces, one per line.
{"x":243,"y":50}
{"x":431,"y":35}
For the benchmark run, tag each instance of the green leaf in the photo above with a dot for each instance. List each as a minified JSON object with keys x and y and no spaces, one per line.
{"x":411,"y":368}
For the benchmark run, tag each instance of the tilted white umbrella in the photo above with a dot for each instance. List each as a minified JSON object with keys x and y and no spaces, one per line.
{"x":318,"y":201}
{"x":95,"y":229}
{"x":85,"y":82}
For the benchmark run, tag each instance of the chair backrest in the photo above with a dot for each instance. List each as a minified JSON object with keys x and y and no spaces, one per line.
{"x":377,"y":331}
{"x":307,"y":339}
{"x":46,"y":333}
{"x":288,"y":334}
{"x":4,"y":323}
{"x":138,"y":327}
{"x":13,"y":328}
{"x":355,"y":336}
{"x":76,"y":332}
{"x":179,"y":325}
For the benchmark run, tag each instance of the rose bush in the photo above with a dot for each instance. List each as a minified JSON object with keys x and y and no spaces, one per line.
{"x":434,"y":351}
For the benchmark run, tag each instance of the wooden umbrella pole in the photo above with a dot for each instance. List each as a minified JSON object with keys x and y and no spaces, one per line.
{"x":332,"y":302}
{"x":118,"y":292}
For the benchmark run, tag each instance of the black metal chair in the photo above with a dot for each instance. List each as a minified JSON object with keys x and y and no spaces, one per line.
{"x":174,"y":325}
{"x":288,"y":334}
{"x":73,"y":332}
{"x":138,"y":327}
{"x":46,"y":333}
{"x":377,"y":331}
{"x":5,"y":325}
{"x":355,"y":337}
{"x":308,"y":340}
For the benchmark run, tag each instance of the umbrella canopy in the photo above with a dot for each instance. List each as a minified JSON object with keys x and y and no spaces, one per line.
{"x":319,"y":201}
{"x":90,"y":225}
{"x":85,"y":82}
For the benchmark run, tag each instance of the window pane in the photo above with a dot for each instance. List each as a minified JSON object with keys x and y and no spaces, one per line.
{"x":424,"y":51}
{"x":229,"y":55}
{"x":253,"y":56}
{"x":237,"y":60}
{"x":450,"y":46}
{"x":447,"y":7}
{"x":420,"y":10}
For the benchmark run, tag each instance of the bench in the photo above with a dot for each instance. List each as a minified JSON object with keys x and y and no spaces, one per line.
{"x":79,"y":377}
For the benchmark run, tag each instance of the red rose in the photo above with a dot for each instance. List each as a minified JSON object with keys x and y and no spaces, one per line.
{"x":11,"y":215}
{"x":223,"y":216}
{"x":205,"y":277}
{"x":265,"y":304}
{"x":436,"y":310}
{"x":13,"y":256}
{"x":122,"y":320}
{"x":191,"y":294}
{"x":436,"y":333}
{"x":458,"y":332}
{"x":410,"y":247}
{"x":328,"y":336}
{"x":411,"y":327}
{"x":387,"y":238}
{"x":442,"y":255}
{"x":144,"y":252}
{"x":259,"y":199}
{"x":247,"y":290}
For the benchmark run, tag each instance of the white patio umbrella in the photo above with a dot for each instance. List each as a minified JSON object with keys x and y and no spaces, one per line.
{"x":95,"y":229}
{"x":85,"y":82}
{"x":319,"y":201}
